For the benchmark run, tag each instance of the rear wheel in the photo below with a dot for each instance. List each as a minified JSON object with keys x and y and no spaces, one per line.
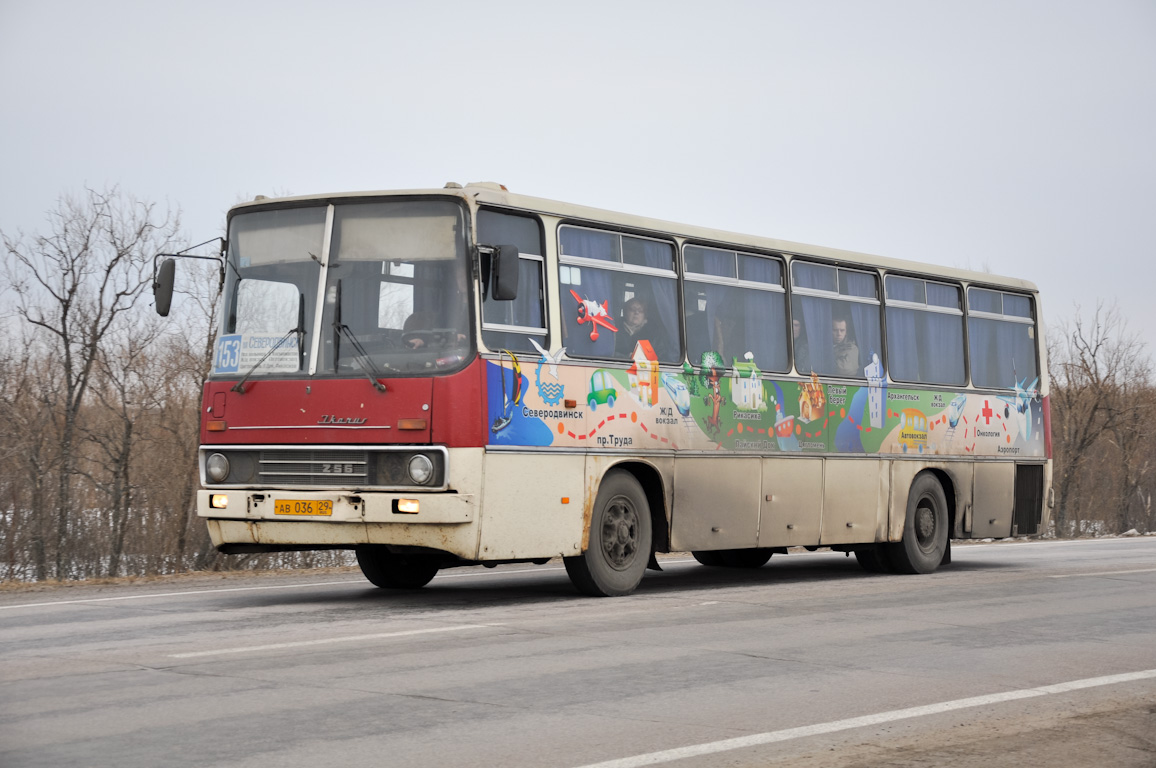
{"x":874,"y":559}
{"x":924,"y":543}
{"x":391,"y":570}
{"x":619,"y":546}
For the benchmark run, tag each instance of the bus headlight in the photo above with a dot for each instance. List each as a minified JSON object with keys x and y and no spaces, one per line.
{"x":217,"y":467}
{"x":420,"y":469}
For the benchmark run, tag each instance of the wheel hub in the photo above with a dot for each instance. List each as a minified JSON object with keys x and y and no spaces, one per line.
{"x":620,"y":534}
{"x":925,"y":524}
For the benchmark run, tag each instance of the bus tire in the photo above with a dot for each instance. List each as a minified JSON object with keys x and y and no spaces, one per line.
{"x":925,"y":531}
{"x":709,"y":557}
{"x":390,"y":570}
{"x":619,"y":546}
{"x":734,"y":558}
{"x":874,"y":559}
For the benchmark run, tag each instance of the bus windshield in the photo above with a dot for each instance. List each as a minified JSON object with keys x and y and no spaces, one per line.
{"x":394,"y":291}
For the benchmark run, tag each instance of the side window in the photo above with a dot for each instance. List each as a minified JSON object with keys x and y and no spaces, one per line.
{"x":735,"y":306}
{"x":513,"y":324}
{"x":1002,"y":339}
{"x":836,"y":328}
{"x":619,"y":296}
{"x":924,"y":331}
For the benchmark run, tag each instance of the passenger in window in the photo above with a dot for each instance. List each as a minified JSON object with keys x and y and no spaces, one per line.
{"x":846,"y":350}
{"x":630,"y":330}
{"x":725,"y":324}
{"x":802,"y":354}
{"x":697,"y":333}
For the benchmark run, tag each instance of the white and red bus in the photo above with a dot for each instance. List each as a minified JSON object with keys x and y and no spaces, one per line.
{"x":459,"y":376}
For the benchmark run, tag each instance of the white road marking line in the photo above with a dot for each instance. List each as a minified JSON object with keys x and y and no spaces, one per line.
{"x":328,"y":640}
{"x":772,"y":737}
{"x":1101,"y":573}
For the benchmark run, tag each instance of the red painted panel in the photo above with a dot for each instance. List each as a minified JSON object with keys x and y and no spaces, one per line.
{"x":460,"y":407}
{"x":318,"y":411}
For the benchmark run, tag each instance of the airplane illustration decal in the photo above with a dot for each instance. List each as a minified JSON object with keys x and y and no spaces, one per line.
{"x":1019,"y":404}
{"x":596,"y":314}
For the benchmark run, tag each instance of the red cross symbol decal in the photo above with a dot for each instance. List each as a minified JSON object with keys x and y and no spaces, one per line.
{"x":987,"y":412}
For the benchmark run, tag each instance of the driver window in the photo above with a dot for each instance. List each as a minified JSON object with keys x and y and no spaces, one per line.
{"x":518,"y":324}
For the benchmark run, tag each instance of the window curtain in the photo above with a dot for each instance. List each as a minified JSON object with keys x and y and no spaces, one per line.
{"x":703,"y":332}
{"x":697,"y":323}
{"x":589,"y":244}
{"x":903,"y":344}
{"x":941,"y":349}
{"x":816,"y":314}
{"x":764,"y":318}
{"x":867,"y":335}
{"x":1001,"y":353}
{"x":661,"y":256}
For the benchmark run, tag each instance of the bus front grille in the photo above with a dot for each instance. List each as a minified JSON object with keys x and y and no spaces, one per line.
{"x":314,"y":467}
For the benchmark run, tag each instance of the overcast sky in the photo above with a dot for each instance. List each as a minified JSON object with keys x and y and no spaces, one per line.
{"x":1018,"y":137}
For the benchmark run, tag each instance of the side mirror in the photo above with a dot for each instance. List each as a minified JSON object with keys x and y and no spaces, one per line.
{"x":504,"y":273}
{"x":163,"y":286}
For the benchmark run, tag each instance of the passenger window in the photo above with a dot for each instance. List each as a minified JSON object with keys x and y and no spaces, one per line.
{"x":835,"y":322}
{"x":735,"y":309}
{"x":619,"y":296}
{"x":1002,"y":339}
{"x":924,"y":331}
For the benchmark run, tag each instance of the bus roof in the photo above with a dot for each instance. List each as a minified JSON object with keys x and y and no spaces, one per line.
{"x":490,"y":193}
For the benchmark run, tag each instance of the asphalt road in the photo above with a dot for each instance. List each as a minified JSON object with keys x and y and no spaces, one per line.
{"x":1038,"y":653}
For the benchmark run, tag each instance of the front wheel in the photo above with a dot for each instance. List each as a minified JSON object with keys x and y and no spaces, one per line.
{"x":390,"y":570}
{"x":924,"y":543}
{"x":619,"y":545}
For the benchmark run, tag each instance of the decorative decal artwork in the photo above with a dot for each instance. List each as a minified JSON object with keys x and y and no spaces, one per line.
{"x":511,"y":397}
{"x":598,"y":315}
{"x":511,"y":421}
{"x":551,"y":390}
{"x":715,"y":406}
{"x":643,"y":375}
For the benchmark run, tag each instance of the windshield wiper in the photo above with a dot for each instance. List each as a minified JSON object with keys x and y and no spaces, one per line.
{"x":299,"y":330}
{"x":362,"y":358}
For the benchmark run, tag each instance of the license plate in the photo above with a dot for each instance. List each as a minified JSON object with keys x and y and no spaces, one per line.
{"x":318,"y":507}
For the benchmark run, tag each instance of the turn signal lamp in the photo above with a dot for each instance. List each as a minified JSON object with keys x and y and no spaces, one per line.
{"x":219,"y":501}
{"x":216,"y":425}
{"x":405,"y":506}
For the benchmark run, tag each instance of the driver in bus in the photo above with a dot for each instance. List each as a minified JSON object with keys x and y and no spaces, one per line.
{"x":421,"y":321}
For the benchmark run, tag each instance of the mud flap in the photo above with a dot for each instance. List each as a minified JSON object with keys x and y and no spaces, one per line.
{"x":652,"y":564}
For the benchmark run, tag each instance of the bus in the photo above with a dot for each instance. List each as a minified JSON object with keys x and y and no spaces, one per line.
{"x":462,"y":376}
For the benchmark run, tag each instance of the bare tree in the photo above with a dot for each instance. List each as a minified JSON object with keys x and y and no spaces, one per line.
{"x":1097,"y":371}
{"x":124,"y":386}
{"x":72,"y":285}
{"x":1132,"y":436}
